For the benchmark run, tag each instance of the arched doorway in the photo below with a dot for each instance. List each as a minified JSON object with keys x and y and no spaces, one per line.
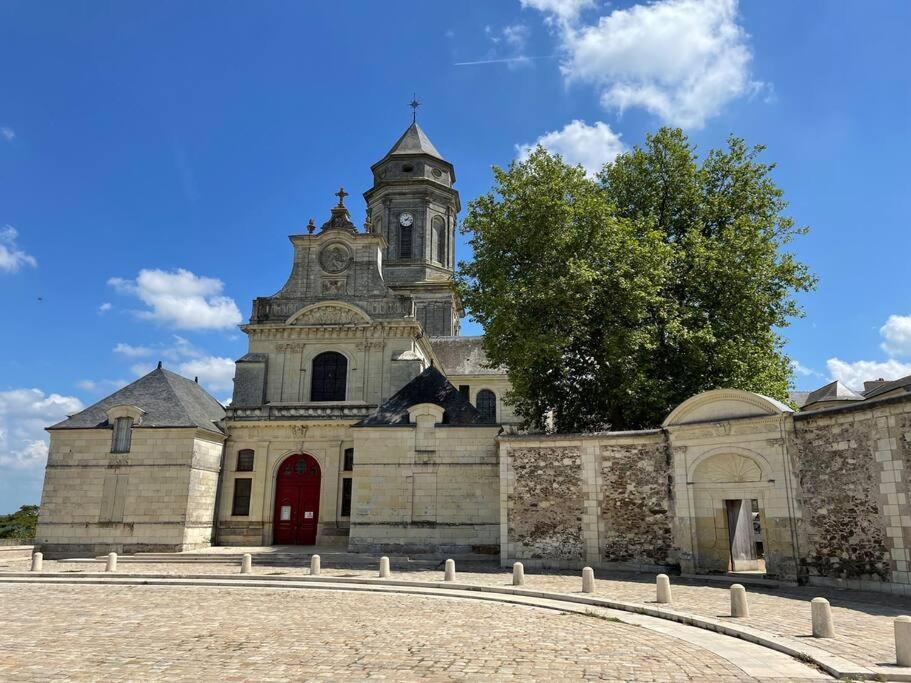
{"x":296,"y":501}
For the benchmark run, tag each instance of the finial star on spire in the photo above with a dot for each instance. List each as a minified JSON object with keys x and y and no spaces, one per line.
{"x":414,"y":104}
{"x":341,"y":194}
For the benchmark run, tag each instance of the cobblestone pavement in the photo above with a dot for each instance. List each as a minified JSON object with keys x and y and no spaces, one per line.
{"x":863,"y":620}
{"x":157,"y":632}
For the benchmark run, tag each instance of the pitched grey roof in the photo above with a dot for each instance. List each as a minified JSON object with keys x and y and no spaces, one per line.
{"x":833,"y":391}
{"x":414,"y":141}
{"x":167,"y":399}
{"x":799,"y":398}
{"x":900,"y":383}
{"x":463,"y":356}
{"x":428,"y":387}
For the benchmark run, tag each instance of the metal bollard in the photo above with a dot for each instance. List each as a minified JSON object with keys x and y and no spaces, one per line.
{"x":112,"y":563}
{"x":518,"y":574}
{"x":314,"y":565}
{"x":246,"y":563}
{"x":449,"y":574}
{"x":384,"y":567}
{"x":739,"y":605}
{"x":588,"y":580}
{"x":37,"y":562}
{"x":821,"y":615}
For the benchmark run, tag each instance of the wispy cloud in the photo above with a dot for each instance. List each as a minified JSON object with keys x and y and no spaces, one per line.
{"x":507,"y":46}
{"x":8,"y":133}
{"x":12,"y":258}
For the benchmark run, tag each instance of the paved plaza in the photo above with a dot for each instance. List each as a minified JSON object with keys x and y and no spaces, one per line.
{"x":261,"y":633}
{"x":154,"y":632}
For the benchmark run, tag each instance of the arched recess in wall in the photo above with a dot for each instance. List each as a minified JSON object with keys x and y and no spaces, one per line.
{"x":727,"y":468}
{"x":329,"y":377}
{"x":438,"y":239}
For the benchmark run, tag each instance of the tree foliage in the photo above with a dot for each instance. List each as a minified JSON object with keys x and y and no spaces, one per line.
{"x":20,"y":524}
{"x":611,"y":300}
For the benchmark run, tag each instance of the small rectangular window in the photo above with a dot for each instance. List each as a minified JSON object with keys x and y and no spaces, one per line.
{"x":346,"y":498}
{"x":123,"y":428}
{"x":465,"y":390}
{"x":245,"y":460}
{"x":348,"y":464}
{"x":405,"y":242}
{"x":240,"y":506}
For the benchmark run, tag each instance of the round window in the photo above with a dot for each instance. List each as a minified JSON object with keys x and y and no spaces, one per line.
{"x":437,"y":173}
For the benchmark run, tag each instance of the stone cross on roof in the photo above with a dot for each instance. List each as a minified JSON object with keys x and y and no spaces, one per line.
{"x":341,"y":194}
{"x":414,"y":104}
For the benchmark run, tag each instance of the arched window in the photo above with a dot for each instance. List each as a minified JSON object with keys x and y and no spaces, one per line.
{"x":405,"y":242}
{"x":330,"y":374}
{"x":487,"y":405}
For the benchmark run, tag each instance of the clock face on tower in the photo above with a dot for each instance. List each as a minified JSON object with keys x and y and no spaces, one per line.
{"x":406,"y":219}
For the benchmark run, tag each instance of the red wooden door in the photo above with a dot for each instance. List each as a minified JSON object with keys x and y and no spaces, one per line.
{"x":296,"y":501}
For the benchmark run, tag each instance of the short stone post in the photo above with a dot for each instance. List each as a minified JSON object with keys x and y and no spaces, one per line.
{"x":588,"y":580}
{"x":518,"y":574}
{"x":664,"y":589}
{"x":314,"y":565}
{"x":903,"y":641}
{"x":37,"y":562}
{"x":739,"y":605}
{"x":821,"y":614}
{"x":384,"y":567}
{"x":449,"y":574}
{"x":246,"y":563}
{"x":112,"y":563}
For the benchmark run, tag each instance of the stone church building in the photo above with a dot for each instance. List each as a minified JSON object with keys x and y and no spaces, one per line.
{"x":361,"y":419}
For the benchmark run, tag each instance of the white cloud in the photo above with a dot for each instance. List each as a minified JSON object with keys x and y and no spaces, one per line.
{"x":804,"y":370}
{"x":897,"y":335}
{"x":855,"y":374}
{"x":579,"y":143}
{"x":181,"y":299}
{"x":104,"y":308}
{"x":12,"y":258}
{"x":562,"y":10}
{"x":516,"y":36}
{"x":24,"y":413}
{"x":682,"y":60}
{"x":215,"y":373}
{"x":109,"y":385}
{"x":133,"y":351}
{"x":8,"y":133}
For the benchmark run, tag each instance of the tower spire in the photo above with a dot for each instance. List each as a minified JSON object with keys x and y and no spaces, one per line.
{"x":414,"y":104}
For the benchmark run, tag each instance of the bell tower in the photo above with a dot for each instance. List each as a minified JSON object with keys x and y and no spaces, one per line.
{"x":413,"y":205}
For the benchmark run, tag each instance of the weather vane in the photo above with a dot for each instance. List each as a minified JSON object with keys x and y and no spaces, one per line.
{"x":414,"y":104}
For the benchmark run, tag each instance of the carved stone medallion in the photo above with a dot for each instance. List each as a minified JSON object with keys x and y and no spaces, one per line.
{"x":335,"y":257}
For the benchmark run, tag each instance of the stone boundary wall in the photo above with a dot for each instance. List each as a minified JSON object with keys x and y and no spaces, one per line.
{"x":853,"y":466}
{"x":600,"y":500}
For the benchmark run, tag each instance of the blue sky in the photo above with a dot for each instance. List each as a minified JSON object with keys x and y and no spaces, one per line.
{"x":155,"y":156}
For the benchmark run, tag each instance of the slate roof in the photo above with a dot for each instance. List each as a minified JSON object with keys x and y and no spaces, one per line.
{"x":414,"y":141}
{"x":463,"y":356}
{"x":900,"y":383}
{"x":428,"y":387}
{"x":833,"y":391}
{"x":167,"y":399}
{"x":799,"y":398}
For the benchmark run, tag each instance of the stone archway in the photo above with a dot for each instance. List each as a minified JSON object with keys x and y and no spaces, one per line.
{"x":728,"y":494}
{"x":297,"y":489}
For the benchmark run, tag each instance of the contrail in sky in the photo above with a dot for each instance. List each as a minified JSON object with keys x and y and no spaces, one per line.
{"x":506,"y":60}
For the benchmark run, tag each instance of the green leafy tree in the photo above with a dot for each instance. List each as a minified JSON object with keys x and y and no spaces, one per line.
{"x":611,"y":300}
{"x":20,"y":524}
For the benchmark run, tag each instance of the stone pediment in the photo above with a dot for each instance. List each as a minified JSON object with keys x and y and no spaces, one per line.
{"x":335,"y":313}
